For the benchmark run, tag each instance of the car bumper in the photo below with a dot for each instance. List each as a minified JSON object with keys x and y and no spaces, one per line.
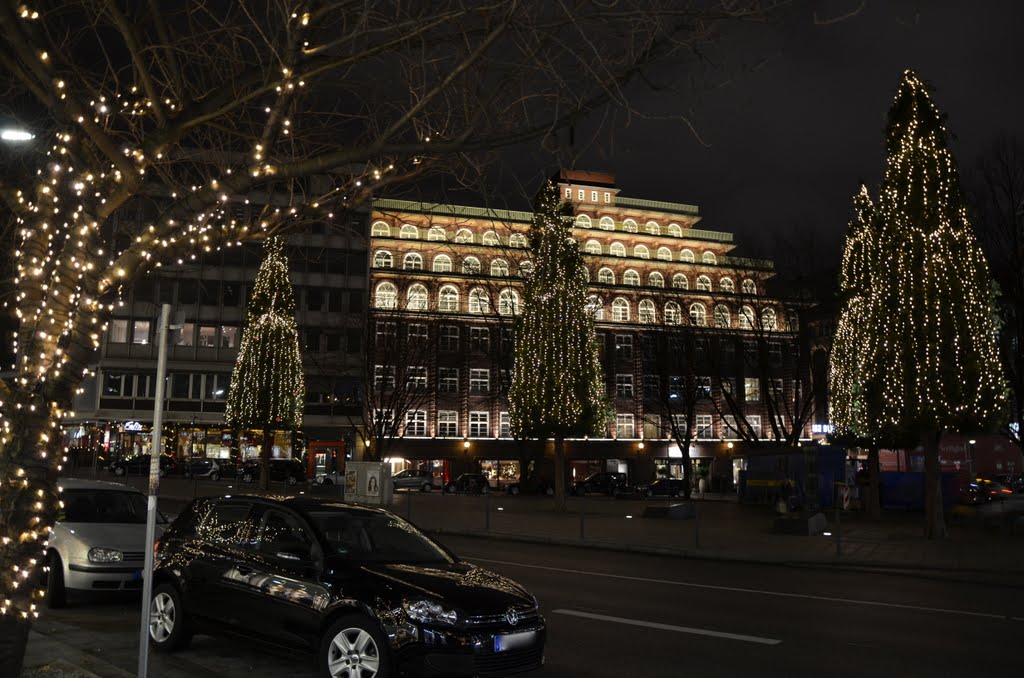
{"x":119,"y":577}
{"x":471,"y":654}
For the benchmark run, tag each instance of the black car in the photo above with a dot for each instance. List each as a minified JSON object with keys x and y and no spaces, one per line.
{"x":602,"y":482}
{"x":665,"y":487}
{"x":290,"y":471}
{"x":369,"y":593}
{"x":139,"y":465}
{"x":469,"y":483}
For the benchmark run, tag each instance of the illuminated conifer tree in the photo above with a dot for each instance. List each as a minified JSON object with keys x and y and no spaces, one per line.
{"x":916,"y":350}
{"x":267,"y":387}
{"x":557,"y":384}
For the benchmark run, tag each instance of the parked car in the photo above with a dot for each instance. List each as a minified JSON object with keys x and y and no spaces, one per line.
{"x":205,"y":467}
{"x":543,"y":486}
{"x":99,"y":540}
{"x":468,"y":483}
{"x":139,"y":465}
{"x":664,"y":487}
{"x":290,"y":471}
{"x":414,"y":479}
{"x":1014,"y":481}
{"x":366,"y":591}
{"x":603,"y":482}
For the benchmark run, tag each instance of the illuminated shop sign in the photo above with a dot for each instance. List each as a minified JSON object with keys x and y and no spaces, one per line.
{"x":822,"y":429}
{"x":132,"y":426}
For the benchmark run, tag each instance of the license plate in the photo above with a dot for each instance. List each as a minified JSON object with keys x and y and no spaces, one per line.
{"x":514,"y":641}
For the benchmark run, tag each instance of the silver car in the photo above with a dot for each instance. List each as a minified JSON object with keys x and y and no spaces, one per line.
{"x":98,"y":542}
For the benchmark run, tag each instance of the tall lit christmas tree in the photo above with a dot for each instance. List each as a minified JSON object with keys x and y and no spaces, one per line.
{"x":557,"y":385}
{"x":267,"y":387}
{"x":916,"y":349}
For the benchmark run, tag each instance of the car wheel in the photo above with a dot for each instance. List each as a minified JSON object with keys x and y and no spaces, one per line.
{"x":514,"y":490}
{"x":449,"y":489}
{"x":161,"y":472}
{"x":354,"y":647}
{"x":214,"y":476}
{"x":648,"y":493}
{"x":167,"y":626}
{"x":247,"y":477}
{"x":56,"y":595}
{"x":118,"y":470}
{"x":427,"y":487}
{"x":486,"y":489}
{"x":326,"y":481}
{"x":292,"y":480}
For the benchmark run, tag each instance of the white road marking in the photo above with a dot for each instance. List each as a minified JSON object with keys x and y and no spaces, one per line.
{"x":736,"y":589}
{"x":670,"y":627}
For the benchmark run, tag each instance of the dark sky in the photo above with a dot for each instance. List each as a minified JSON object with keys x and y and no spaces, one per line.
{"x":788,"y":140}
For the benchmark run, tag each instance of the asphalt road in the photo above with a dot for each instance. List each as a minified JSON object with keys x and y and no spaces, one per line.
{"x":618,"y":614}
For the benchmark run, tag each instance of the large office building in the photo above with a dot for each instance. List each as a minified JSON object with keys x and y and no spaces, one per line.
{"x":447,"y":280}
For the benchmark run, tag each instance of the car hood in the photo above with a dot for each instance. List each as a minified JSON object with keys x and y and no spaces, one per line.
{"x":120,"y":536}
{"x":471,"y":590}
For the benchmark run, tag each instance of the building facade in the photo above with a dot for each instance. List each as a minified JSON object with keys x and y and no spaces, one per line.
{"x":446,"y":283}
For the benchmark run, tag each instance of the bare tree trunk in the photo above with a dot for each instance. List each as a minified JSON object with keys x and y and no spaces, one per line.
{"x":873,"y":502}
{"x":265,"y":448}
{"x":935,"y":524}
{"x":13,"y":642}
{"x":560,"y":474}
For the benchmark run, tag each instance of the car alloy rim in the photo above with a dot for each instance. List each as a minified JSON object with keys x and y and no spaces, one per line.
{"x":161,"y":617}
{"x":353,"y":654}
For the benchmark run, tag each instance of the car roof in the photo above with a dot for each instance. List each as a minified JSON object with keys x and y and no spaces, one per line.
{"x":86,"y":484}
{"x":305,"y":503}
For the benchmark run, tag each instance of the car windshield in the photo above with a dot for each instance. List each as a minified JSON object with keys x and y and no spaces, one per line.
{"x":377,"y":538}
{"x":103,"y":506}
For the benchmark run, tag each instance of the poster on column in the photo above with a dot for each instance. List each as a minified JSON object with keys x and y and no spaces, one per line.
{"x":373,"y":482}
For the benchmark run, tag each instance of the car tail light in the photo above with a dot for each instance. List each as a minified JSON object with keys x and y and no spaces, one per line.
{"x":156,"y":547}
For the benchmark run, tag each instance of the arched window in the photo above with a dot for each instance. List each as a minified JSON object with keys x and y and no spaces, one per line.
{"x":617,"y":249}
{"x":382,"y":259}
{"x":586,"y":273}
{"x":673,"y":314}
{"x":386,"y":296}
{"x":471,"y":266}
{"x":698,"y":314}
{"x":479,"y":302}
{"x":665,"y":254}
{"x":792,"y":321}
{"x":463,"y":235}
{"x":499,"y":268}
{"x":416,"y":298}
{"x":709,"y":258}
{"x":593,"y":247}
{"x":508,"y":302}
{"x":722,"y":316}
{"x":704,"y":283}
{"x":631,"y":278}
{"x":687,"y":256}
{"x":656,"y":279}
{"x":413,"y":261}
{"x":727,"y":285}
{"x":448,"y":298}
{"x":646,"y":312}
{"x":679,"y":282}
{"x":653,"y":228}
{"x":595,"y":307}
{"x":606,"y":276}
{"x":641,"y":252}
{"x":620,"y":310}
{"x":409,"y":232}
{"x":582,"y":221}
{"x":675,"y":230}
{"x":491,"y":238}
{"x":749,"y":287}
{"x":629,"y":226}
{"x":517,"y":240}
{"x":769,"y":321}
{"x":607,"y":224}
{"x":442,"y":264}
{"x":526,"y":268}
{"x":746,"y":318}
{"x":436,"y":233}
{"x":380,"y":230}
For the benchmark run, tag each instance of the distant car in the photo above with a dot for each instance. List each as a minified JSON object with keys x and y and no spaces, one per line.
{"x":664,"y":487}
{"x":414,"y":479}
{"x":543,"y":486}
{"x":469,"y":483}
{"x":290,"y":471}
{"x":139,"y":465}
{"x":1014,"y":481}
{"x":602,"y":482}
{"x":99,"y":540}
{"x":214,"y":469}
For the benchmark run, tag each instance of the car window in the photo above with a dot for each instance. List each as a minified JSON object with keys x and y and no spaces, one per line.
{"x":377,"y":538}
{"x":227,"y":522}
{"x":283,"y":532}
{"x":102,"y":506}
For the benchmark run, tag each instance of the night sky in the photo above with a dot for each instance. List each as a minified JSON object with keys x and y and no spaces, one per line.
{"x":793,"y":115}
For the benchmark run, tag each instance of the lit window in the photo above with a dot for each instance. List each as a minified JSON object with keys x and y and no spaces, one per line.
{"x":769,"y":320}
{"x":705,"y":429}
{"x":624,"y":426}
{"x":722,"y":316}
{"x":416,"y":423}
{"x":623,"y":385}
{"x":436,"y":234}
{"x":490,"y":238}
{"x":607,"y":197}
{"x":727,"y":285}
{"x":448,"y":379}
{"x":582,"y":221}
{"x":593,"y":196}
{"x":704,"y":283}
{"x":656,"y":279}
{"x":442,"y":264}
{"x":186,"y":335}
{"x":118,"y":333}
{"x":675,"y":230}
{"x":679,"y":281}
{"x":140,"y":332}
{"x":448,"y":299}
{"x":709,"y":258}
{"x":499,"y":268}
{"x":448,"y":423}
{"x":228,"y":336}
{"x":673,"y":314}
{"x":749,"y":287}
{"x":478,"y":301}
{"x":665,"y":254}
{"x":525,"y":268}
{"x":479,"y":424}
{"x":595,"y":307}
{"x":508,"y":302}
{"x":464,"y":235}
{"x":382,"y":259}
{"x":207,"y":336}
{"x":629,"y":226}
{"x":746,"y":318}
{"x":471,"y":266}
{"x":631,"y":278}
{"x":641,"y":252}
{"x":580,"y":193}
{"x":687,"y":256}
{"x":646,"y":312}
{"x":607,"y":224}
{"x":517,"y":240}
{"x":620,"y":310}
{"x":479,"y":381}
{"x":380,"y":230}
{"x":653,"y":228}
{"x":606,"y":276}
{"x":698,"y":315}
{"x":416,"y":298}
{"x":593,"y":247}
{"x":409,"y":232}
{"x":617,"y":249}
{"x":413,"y":262}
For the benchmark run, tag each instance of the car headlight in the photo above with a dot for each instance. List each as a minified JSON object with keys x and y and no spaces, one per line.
{"x":102,"y":555}
{"x":428,"y":611}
